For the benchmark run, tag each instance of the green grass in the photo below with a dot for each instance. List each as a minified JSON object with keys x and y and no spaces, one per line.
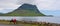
{"x":14,"y":14}
{"x":23,"y":13}
{"x":24,"y":24}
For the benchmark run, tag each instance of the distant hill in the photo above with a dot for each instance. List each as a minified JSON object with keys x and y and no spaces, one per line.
{"x":26,"y":10}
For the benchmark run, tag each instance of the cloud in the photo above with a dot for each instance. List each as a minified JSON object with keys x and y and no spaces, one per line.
{"x":5,"y":10}
{"x":7,"y":5}
{"x":1,"y":8}
{"x":25,"y":1}
{"x":8,"y":1}
{"x":48,"y":4}
{"x":51,"y":5}
{"x":43,"y":4}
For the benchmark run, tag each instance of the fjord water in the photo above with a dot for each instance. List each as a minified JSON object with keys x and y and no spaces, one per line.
{"x":33,"y":18}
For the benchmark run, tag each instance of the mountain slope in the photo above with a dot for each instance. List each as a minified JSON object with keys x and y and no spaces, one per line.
{"x":26,"y":10}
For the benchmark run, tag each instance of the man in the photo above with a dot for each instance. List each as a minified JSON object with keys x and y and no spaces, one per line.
{"x":13,"y":20}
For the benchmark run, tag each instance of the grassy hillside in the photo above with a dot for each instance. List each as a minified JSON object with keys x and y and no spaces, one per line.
{"x":26,"y":10}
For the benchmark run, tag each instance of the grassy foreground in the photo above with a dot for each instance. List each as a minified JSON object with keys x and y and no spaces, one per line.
{"x":23,"y":23}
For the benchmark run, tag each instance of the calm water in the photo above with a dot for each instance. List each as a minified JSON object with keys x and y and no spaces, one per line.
{"x":36,"y":18}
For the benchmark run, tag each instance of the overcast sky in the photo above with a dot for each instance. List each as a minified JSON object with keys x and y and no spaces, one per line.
{"x":48,"y":7}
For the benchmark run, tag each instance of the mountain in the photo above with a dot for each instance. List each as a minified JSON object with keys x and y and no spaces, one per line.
{"x":26,"y":10}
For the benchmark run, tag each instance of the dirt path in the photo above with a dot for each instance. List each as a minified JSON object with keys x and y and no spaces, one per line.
{"x":9,"y":25}
{"x":6,"y":25}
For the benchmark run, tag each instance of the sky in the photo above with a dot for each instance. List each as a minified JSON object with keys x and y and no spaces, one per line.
{"x":47,"y":7}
